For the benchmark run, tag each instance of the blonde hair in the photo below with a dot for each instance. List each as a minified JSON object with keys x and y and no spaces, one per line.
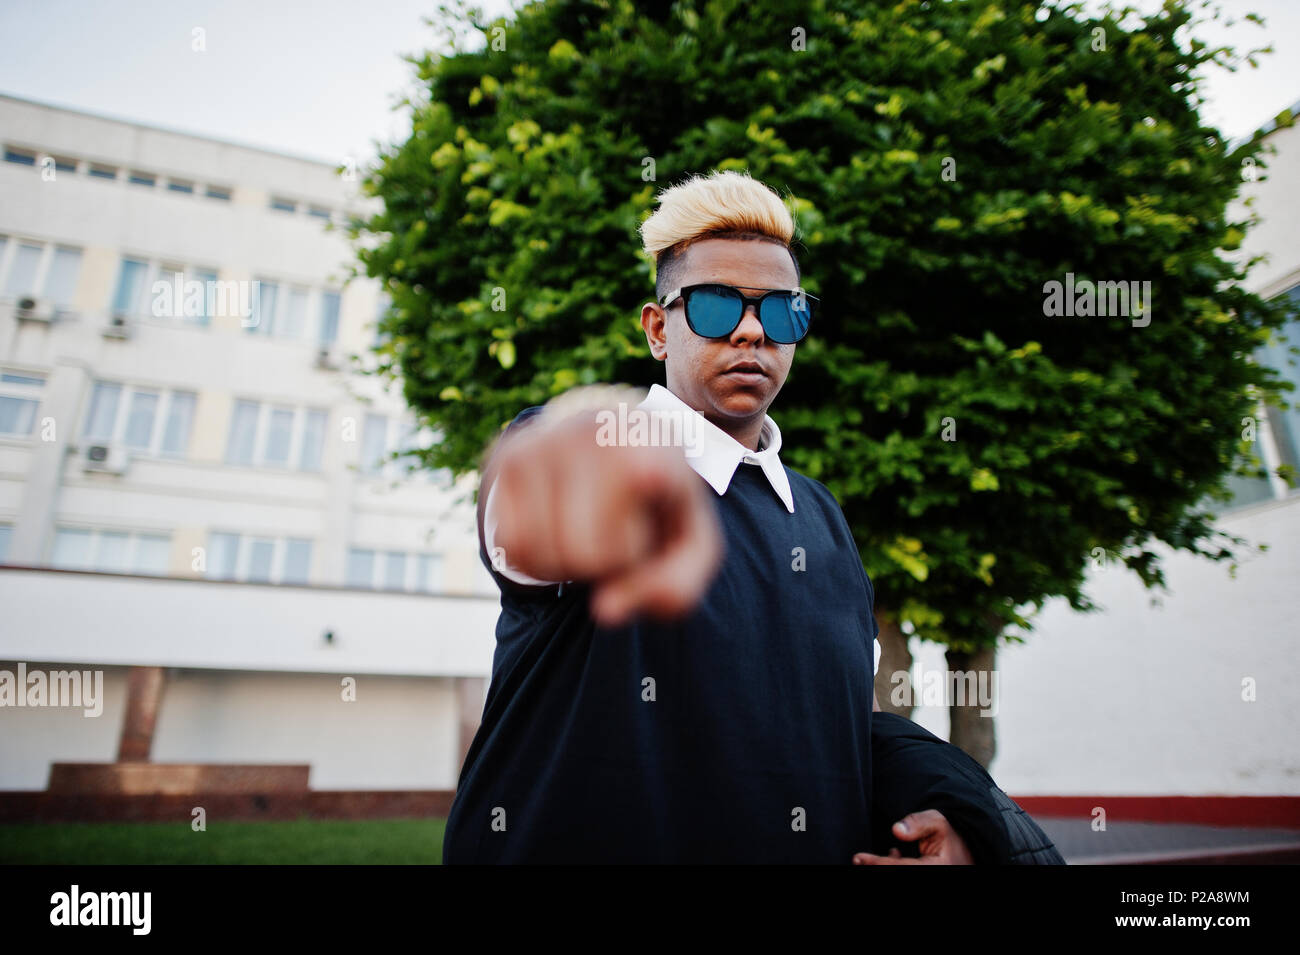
{"x":730,"y":204}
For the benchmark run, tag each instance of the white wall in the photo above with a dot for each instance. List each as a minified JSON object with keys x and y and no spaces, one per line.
{"x":1142,"y":700}
{"x":400,"y":733}
{"x":111,"y":619}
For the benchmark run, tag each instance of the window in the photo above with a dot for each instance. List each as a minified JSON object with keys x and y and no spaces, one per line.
{"x":174,"y":185}
{"x":149,"y":420}
{"x":294,"y":321}
{"x":283,"y":311}
{"x":223,"y":555}
{"x":64,"y":164}
{"x":374,"y":442}
{"x":388,"y":447}
{"x":16,"y":379}
{"x":385,"y":303}
{"x":140,"y":419}
{"x":97,"y":171}
{"x":142,"y":179}
{"x":218,"y":193}
{"x":20,"y":397}
{"x":258,"y":559}
{"x":283,"y":205}
{"x":318,"y":213}
{"x":263,"y":321}
{"x":297,"y":561}
{"x":41,"y":269}
{"x":1278,"y":429}
{"x":313,"y":440}
{"x":277,"y":437}
{"x":152,"y":552}
{"x":61,"y":280}
{"x":361,"y":568}
{"x":243,"y":433}
{"x":394,"y":570}
{"x":129,"y":299}
{"x":6,"y":537}
{"x":119,"y":552}
{"x":21,"y":279}
{"x":72,"y":549}
{"x":180,"y":418}
{"x":261,"y":553}
{"x":190,"y":294}
{"x":329,"y":317}
{"x":208,"y":279}
{"x":20,"y":156}
{"x":102,"y":417}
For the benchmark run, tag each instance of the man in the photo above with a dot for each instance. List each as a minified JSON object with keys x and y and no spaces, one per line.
{"x":684,"y":668}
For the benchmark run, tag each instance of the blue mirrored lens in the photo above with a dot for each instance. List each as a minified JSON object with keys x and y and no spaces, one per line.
{"x":786,"y":317}
{"x":714,"y":312}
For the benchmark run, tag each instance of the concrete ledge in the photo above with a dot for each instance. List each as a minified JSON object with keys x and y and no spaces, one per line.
{"x":17,"y":807}
{"x":175,"y":779}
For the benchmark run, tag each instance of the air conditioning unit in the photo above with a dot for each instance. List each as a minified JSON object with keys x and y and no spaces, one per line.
{"x":30,"y":309}
{"x":105,"y":459}
{"x":119,"y":326}
{"x":325,"y":360}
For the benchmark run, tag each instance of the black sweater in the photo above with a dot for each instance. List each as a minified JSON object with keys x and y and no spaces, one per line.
{"x":742,"y":733}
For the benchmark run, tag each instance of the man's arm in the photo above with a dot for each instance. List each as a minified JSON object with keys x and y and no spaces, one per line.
{"x":634,"y":521}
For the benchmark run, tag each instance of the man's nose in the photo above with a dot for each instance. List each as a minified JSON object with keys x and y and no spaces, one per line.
{"x":750,"y":328}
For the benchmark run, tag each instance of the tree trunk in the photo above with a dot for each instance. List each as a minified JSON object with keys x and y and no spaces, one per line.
{"x":972,"y":705}
{"x":894,"y":678}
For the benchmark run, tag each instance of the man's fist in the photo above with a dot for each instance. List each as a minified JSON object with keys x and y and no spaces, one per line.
{"x":635,"y":521}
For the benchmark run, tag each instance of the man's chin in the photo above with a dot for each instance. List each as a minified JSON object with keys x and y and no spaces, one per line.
{"x":741,"y":403}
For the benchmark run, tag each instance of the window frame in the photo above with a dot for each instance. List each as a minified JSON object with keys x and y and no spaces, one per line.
{"x":244,"y":545}
{"x":122,"y":416}
{"x":261,"y":435}
{"x":97,"y":534}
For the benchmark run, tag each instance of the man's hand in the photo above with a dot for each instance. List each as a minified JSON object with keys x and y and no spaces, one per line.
{"x":636,"y":521}
{"x":939,"y":842}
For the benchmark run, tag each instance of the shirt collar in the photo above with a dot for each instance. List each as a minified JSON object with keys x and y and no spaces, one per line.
{"x":715,"y":455}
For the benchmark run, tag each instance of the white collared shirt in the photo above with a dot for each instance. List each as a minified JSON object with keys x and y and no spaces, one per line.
{"x":713,"y":454}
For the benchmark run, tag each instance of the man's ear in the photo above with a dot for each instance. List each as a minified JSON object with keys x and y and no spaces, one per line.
{"x":654,"y":321}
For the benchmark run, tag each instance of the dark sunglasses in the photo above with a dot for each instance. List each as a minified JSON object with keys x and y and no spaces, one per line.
{"x":714,"y":311}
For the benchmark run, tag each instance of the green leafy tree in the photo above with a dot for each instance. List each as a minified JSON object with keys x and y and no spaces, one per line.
{"x":944,"y":161}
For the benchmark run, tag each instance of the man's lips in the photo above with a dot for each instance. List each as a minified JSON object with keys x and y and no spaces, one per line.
{"x":746,"y":369}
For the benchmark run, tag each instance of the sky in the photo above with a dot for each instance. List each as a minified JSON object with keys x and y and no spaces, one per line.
{"x":319,"y":78}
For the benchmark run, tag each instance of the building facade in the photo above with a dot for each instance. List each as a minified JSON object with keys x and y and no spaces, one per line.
{"x":195,"y":474}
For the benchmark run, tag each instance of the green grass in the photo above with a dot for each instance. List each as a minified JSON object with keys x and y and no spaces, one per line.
{"x":301,"y":842}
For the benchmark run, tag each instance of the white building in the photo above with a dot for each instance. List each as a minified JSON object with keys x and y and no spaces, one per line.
{"x":217,"y":449}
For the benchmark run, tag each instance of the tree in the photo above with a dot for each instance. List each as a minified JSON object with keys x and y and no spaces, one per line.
{"x":988,"y":436}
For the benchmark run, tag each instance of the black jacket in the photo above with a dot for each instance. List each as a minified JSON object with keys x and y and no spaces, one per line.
{"x":913,"y":769}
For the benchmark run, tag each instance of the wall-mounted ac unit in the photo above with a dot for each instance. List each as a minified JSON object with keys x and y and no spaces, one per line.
{"x":325,"y":360}
{"x":119,"y":326}
{"x":105,"y":459}
{"x":29,"y":309}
